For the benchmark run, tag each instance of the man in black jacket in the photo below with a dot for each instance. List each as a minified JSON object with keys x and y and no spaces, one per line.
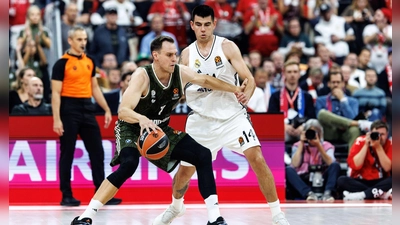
{"x":35,"y":104}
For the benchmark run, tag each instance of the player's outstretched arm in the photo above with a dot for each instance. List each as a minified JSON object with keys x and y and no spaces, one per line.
{"x":188,"y":75}
{"x":233,"y":54}
{"x":138,"y":87}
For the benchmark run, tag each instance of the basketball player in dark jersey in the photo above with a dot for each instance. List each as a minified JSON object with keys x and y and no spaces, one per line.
{"x":146,"y":105}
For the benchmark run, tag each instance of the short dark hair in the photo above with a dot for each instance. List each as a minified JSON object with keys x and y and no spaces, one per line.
{"x":335,"y":73}
{"x":126,"y":74}
{"x":364,"y":49}
{"x":372,"y":69}
{"x":156,"y":44}
{"x":203,"y":11}
{"x":379,"y":124}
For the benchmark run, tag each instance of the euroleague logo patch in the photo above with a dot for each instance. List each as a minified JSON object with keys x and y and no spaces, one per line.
{"x":176,"y":94}
{"x":241,"y":141}
{"x":218,"y":61}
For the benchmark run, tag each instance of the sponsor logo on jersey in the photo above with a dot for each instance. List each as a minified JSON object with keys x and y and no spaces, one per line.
{"x":153,"y":96}
{"x":128,"y":141}
{"x":176,"y":94}
{"x":218,"y":61}
{"x":197,"y":63}
{"x":241,"y":141}
{"x":204,"y":90}
{"x":158,"y":122}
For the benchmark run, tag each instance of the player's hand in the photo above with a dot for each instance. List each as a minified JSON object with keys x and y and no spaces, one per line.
{"x":58,"y":127}
{"x":241,"y":96}
{"x":108,"y":119}
{"x":148,"y":125}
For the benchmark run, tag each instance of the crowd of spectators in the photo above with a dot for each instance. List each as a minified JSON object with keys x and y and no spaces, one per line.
{"x":328,"y":60}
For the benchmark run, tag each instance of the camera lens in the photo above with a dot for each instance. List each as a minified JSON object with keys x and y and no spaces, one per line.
{"x":310,"y":134}
{"x":374,"y":136}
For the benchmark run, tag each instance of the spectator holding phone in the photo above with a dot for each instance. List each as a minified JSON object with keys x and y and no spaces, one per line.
{"x":370,"y":160}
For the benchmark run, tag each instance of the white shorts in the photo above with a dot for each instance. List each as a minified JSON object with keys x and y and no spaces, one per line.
{"x":236,"y":134}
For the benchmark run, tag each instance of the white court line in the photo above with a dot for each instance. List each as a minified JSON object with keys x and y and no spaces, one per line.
{"x":200,"y":206}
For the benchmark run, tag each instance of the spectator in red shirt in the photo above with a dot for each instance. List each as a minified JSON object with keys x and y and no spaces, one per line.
{"x":176,"y":16}
{"x":264,"y":25}
{"x":370,"y":160}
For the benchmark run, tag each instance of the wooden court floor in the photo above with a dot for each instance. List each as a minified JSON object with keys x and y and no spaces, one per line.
{"x":299,"y":213}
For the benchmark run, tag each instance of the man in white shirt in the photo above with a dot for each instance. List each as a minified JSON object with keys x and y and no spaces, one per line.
{"x":333,"y":32}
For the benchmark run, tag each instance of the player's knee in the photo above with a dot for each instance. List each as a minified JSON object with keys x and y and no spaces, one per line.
{"x":204,"y":155}
{"x":185,"y":172}
{"x":254,"y":156}
{"x":129,"y":163}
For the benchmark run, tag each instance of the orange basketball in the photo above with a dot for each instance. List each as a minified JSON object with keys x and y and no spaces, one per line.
{"x":153,"y":146}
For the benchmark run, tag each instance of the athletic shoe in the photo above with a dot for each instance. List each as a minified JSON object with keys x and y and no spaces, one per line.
{"x":364,"y":125}
{"x":328,"y":197}
{"x":348,"y":196}
{"x":169,"y":215}
{"x":219,"y":221}
{"x":387,"y":195}
{"x":311,"y":196}
{"x":280,"y":219}
{"x":84,"y":221}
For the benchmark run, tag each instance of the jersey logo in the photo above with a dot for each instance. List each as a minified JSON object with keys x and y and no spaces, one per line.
{"x":176,"y":94}
{"x":197,"y":63}
{"x":153,"y":96}
{"x":88,"y":67}
{"x":241,"y":141}
{"x":218,"y":61}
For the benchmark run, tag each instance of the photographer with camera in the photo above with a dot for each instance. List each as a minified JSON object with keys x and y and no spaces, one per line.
{"x":313,"y":164}
{"x":370,"y":160}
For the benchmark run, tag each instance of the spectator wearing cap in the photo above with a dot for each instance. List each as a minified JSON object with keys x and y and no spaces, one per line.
{"x":126,"y":11}
{"x":157,"y":29}
{"x":35,"y":104}
{"x":110,"y":38}
{"x":334,"y":33}
{"x":113,"y":98}
{"x":378,"y":38}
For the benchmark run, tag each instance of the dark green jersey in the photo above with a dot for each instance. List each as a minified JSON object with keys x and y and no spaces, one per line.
{"x":159,"y":100}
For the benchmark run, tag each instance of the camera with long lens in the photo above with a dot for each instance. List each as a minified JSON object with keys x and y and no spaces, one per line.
{"x":316,"y":178}
{"x":374,"y":136}
{"x":310,"y":134}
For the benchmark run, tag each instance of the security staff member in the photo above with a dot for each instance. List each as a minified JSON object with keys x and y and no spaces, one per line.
{"x":73,"y":84}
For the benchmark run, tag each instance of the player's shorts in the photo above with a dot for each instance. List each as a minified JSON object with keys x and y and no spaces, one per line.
{"x":236,"y":133}
{"x":127,"y":134}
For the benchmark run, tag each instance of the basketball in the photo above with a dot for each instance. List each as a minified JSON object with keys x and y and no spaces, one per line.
{"x":153,"y":146}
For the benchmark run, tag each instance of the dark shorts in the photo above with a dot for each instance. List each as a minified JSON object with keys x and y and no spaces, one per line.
{"x":127,"y":134}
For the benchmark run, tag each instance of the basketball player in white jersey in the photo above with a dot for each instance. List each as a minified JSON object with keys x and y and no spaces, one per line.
{"x":218,"y":119}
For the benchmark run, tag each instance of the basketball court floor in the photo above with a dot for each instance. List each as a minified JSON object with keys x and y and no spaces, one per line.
{"x":298,"y":213}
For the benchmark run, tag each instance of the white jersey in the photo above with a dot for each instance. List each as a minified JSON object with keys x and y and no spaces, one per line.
{"x":207,"y":102}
